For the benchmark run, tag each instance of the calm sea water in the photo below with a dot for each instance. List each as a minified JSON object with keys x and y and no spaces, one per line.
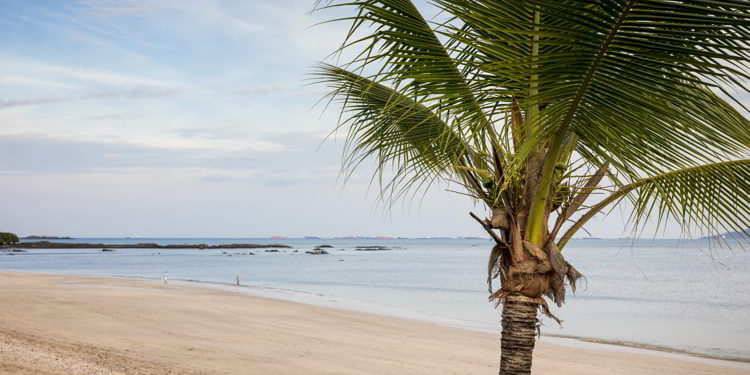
{"x":677,"y":294}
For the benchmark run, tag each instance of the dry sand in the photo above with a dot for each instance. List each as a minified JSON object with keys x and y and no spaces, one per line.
{"x":51,"y":324}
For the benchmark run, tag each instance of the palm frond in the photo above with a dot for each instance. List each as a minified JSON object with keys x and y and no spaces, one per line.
{"x":401,"y":134}
{"x":712,"y":198}
{"x":407,"y":54}
{"x":582,"y":194}
{"x":632,"y":79}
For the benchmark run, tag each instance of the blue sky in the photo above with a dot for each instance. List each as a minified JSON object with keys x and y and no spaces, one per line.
{"x":184,"y":118}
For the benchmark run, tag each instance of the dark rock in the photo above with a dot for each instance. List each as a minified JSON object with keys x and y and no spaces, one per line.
{"x":317,"y":252}
{"x":108,"y":250}
{"x":372,"y":248}
{"x":272,"y":251}
{"x":325,"y":246}
{"x":13,"y":251}
{"x":230,"y":254}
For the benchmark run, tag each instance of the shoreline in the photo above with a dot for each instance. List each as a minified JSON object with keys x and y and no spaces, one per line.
{"x":60,"y":323}
{"x":144,"y":245}
{"x":650,"y":348}
{"x":321,"y":300}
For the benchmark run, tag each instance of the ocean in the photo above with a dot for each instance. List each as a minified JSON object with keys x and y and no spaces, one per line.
{"x":683,"y":295}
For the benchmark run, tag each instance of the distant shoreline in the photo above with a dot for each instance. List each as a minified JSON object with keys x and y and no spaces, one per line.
{"x":653,"y":347}
{"x":46,"y":238}
{"x":145,"y":245}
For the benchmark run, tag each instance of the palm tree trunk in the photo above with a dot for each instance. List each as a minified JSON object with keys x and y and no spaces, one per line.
{"x":518,"y":337}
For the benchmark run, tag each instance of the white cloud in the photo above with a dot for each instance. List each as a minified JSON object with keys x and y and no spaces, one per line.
{"x":33,"y":153}
{"x":121,"y":93}
{"x":263,"y":89}
{"x":102,"y":76}
{"x":119,"y":7}
{"x":250,"y":27}
{"x":30,"y":71}
{"x":32,"y":81}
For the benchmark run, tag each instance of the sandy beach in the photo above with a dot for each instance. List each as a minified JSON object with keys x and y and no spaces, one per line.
{"x":54,"y":324}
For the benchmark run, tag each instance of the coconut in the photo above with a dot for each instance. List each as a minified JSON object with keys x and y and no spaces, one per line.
{"x":500,"y":218}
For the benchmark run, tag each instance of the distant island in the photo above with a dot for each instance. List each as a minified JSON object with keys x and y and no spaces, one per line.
{"x":46,"y":238}
{"x":736,"y":235}
{"x":63,"y":245}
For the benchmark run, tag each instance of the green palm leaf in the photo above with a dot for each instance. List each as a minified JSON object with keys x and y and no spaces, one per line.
{"x":399,"y":133}
{"x":622,"y":75}
{"x":407,"y":54}
{"x":631,"y":79}
{"x":712,"y":198}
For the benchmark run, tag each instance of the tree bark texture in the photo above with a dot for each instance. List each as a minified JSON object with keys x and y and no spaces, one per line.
{"x":519,"y":322}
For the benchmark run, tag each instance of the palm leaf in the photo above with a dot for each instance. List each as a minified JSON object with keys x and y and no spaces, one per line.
{"x":630,"y":78}
{"x":711,"y":198}
{"x":401,"y":134}
{"x":406,"y":53}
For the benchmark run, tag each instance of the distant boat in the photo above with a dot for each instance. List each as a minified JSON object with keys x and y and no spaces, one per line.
{"x":279,"y":237}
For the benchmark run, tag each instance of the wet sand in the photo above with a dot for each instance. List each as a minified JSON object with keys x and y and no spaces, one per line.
{"x":56,"y":324}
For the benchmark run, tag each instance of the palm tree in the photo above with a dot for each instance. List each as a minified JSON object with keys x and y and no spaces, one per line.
{"x":534,"y":106}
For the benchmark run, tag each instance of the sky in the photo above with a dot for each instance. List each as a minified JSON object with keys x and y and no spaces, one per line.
{"x":167,"y":118}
